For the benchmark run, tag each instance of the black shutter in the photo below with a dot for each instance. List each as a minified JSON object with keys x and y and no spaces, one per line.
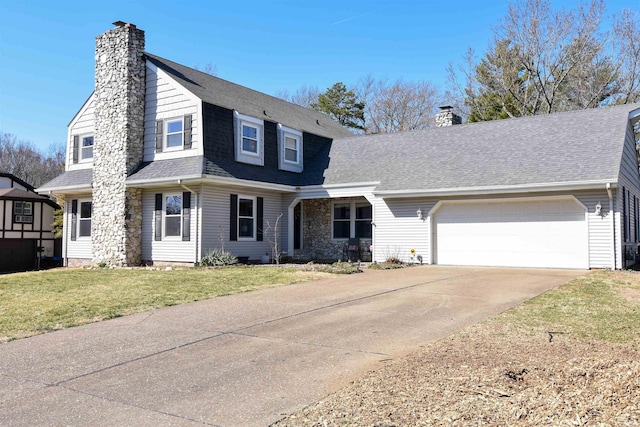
{"x":159,"y":128}
{"x":187,"y":132}
{"x":74,"y":219}
{"x":260,"y":214}
{"x":158,"y":233}
{"x":233,"y":218}
{"x":186,"y":216}
{"x":76,"y":139}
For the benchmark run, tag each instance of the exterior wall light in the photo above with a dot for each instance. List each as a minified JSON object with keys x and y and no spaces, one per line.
{"x":598,"y":209}
{"x":419,"y":213}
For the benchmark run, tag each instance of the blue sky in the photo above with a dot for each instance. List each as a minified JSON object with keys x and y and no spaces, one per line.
{"x":47,"y":47}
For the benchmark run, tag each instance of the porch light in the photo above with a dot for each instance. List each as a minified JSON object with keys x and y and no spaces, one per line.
{"x":598,"y":209}
{"x":419,"y":213}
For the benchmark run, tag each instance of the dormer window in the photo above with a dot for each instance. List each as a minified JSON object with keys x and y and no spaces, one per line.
{"x":249,"y":139}
{"x":86,"y":152}
{"x":289,"y":149}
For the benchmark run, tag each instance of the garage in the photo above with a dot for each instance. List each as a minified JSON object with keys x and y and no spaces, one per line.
{"x":550,"y":232}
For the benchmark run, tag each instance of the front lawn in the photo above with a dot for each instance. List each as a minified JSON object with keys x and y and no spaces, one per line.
{"x":38,"y":302}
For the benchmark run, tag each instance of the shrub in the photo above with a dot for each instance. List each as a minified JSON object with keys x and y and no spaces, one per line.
{"x":339,"y":267}
{"x":393,"y":260}
{"x":218,"y":258}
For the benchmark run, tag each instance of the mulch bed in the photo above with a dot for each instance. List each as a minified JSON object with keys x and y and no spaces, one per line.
{"x":487,"y":376}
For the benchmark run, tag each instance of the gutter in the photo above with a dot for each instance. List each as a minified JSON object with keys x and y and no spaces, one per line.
{"x":504,"y":189}
{"x":613,"y":226}
{"x":200,"y":179}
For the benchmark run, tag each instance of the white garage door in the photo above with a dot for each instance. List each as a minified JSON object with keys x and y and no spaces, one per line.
{"x":543,"y":233}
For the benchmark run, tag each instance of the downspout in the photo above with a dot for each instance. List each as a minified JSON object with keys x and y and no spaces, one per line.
{"x":197,"y":251}
{"x":613,"y":225}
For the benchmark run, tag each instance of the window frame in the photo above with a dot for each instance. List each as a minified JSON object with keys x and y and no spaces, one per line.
{"x":353,"y":206}
{"x":82,"y":147}
{"x":254,"y":218}
{"x":166,"y":236}
{"x":246,"y":156}
{"x":167,"y":134}
{"x":19,"y":211}
{"x":85,"y":219}
{"x":288,"y":165}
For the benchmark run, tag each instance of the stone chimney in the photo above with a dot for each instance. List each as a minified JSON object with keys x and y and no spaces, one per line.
{"x":446,"y":117}
{"x":116,"y":226}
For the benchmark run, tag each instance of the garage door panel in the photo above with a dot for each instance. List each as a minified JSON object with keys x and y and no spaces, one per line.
{"x":516,"y":234}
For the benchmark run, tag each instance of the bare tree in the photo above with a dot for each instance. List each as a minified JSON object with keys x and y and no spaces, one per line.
{"x":304,"y":96}
{"x":272,"y":233}
{"x":24,"y":160}
{"x":397,"y":106}
{"x":209,"y":68}
{"x":626,"y":30}
{"x":543,"y":60}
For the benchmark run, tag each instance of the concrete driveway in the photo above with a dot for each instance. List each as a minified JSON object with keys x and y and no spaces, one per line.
{"x":248,"y":359}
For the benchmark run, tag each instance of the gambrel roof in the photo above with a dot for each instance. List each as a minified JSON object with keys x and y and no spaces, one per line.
{"x":223,"y":93}
{"x":571,"y":147}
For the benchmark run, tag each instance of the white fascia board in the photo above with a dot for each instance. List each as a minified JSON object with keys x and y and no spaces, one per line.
{"x":337,"y":190}
{"x":172,"y":82}
{"x":64,"y":190}
{"x":500,"y":189}
{"x":634,"y":113}
{"x":206,"y":179}
{"x":81,"y":110}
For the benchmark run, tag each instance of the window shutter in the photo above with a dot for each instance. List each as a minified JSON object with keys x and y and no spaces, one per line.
{"x":259,"y":219}
{"x":233,"y":218}
{"x":186,"y":216}
{"x":158,"y":233}
{"x":187,"y":132}
{"x":159,"y":128}
{"x":76,"y":140}
{"x":74,"y":219}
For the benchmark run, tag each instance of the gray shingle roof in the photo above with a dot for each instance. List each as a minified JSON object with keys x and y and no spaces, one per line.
{"x":170,"y":168}
{"x":247,"y":101}
{"x":574,"y":146}
{"x":77,"y":178}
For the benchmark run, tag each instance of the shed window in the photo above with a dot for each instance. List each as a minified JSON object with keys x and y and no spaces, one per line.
{"x":23,"y":212}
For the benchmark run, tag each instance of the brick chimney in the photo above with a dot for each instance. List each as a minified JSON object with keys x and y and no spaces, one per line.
{"x":446,"y":117}
{"x":116,"y":226}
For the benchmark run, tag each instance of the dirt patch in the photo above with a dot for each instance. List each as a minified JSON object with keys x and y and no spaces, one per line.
{"x":488,"y":376}
{"x":630,"y":294}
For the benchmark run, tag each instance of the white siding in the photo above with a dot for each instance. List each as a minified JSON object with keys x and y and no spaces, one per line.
{"x":82,"y":124}
{"x":216,"y":218}
{"x":167,"y":250}
{"x":630,"y":180}
{"x":165,"y":99}
{"x":398,"y":229}
{"x":81,"y":248}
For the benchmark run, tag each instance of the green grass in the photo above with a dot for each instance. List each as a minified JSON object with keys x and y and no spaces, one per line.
{"x":603,"y":305}
{"x":37,"y":302}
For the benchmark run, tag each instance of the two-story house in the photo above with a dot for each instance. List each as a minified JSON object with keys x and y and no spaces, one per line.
{"x":26,"y":218}
{"x":166,"y":162}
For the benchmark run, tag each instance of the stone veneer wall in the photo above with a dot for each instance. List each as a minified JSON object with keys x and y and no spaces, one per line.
{"x":316,"y":234}
{"x":118,"y":145}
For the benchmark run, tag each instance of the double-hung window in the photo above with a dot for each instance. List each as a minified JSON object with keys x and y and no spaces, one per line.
{"x":290,"y":149}
{"x":352,"y":219}
{"x":172,"y":215}
{"x":246,"y":218}
{"x":23,"y":212}
{"x":173,"y":134}
{"x":249,"y":139}
{"x":86,"y":151}
{"x":84,"y":222}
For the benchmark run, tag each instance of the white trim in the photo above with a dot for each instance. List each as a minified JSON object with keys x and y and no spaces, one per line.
{"x":79,"y":219}
{"x":353,"y":207}
{"x":165,"y":134}
{"x":500,"y":189}
{"x":164,"y":216}
{"x":81,"y":137}
{"x":249,"y":157}
{"x":430,"y":218}
{"x":285,"y":132}
{"x":254,"y":210}
{"x":207,"y":179}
